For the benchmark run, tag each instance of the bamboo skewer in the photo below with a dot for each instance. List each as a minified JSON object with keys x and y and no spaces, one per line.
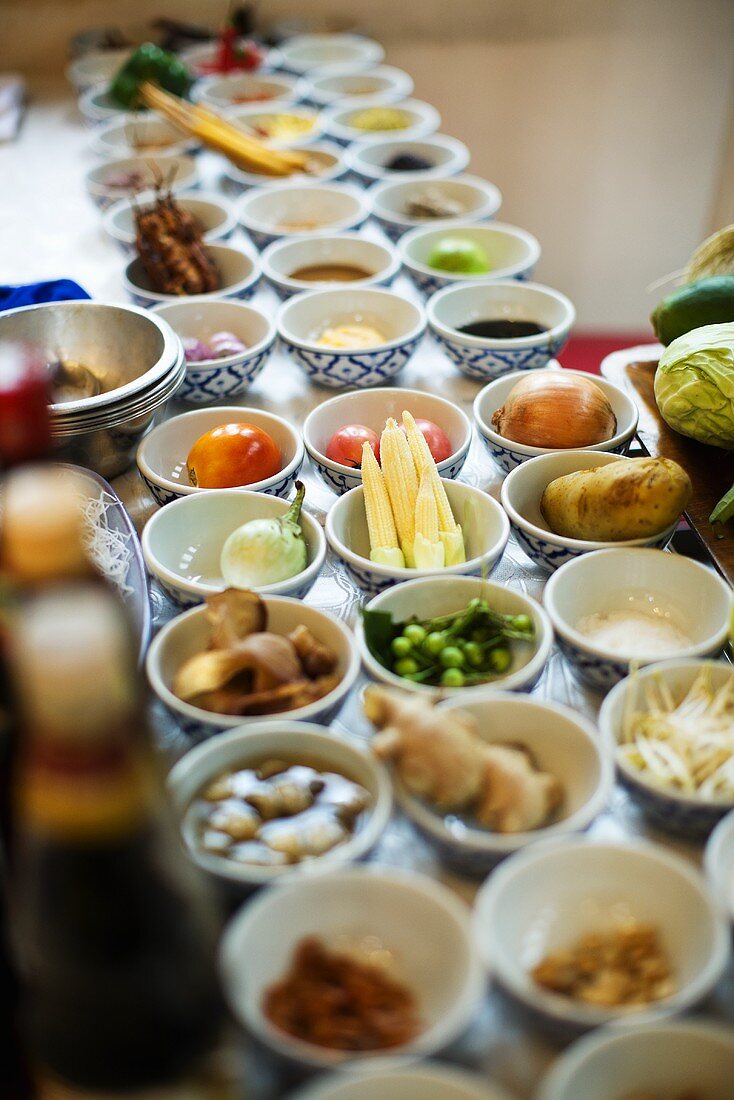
{"x":216,"y":133}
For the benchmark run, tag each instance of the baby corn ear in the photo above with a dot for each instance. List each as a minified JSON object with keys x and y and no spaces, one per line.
{"x":384,"y":548}
{"x":424,"y":460}
{"x":401,"y":483}
{"x":428,"y":550}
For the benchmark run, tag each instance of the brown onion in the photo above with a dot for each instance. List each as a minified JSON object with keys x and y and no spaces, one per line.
{"x":555,"y":410}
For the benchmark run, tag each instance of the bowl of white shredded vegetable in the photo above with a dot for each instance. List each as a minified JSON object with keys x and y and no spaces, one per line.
{"x":670,"y":728}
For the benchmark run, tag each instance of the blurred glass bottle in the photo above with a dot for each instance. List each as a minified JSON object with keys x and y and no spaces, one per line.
{"x":114,"y":938}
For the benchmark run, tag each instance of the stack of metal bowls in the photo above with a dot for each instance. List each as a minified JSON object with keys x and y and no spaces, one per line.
{"x":136,"y":362}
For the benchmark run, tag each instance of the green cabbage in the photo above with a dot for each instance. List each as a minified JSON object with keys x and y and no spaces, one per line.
{"x":694,"y":385}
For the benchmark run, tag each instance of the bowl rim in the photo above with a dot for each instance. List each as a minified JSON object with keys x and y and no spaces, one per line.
{"x":476,"y":839}
{"x":209,"y":198}
{"x":617,"y":440}
{"x":531,"y":243}
{"x":356,"y":471}
{"x":100,"y":144}
{"x":714,"y":640}
{"x":717,"y":875}
{"x":288,"y":104}
{"x":580,"y":545}
{"x":454,"y":1020}
{"x":179,"y":489}
{"x":289,"y":82}
{"x":458,"y":154}
{"x":374,"y":292}
{"x":557,"y":1081}
{"x":367,"y":50}
{"x":201,"y":757}
{"x":168,"y":576}
{"x":453,"y":335}
{"x":555,"y":1005}
{"x":250,"y":352}
{"x":426,"y":119}
{"x":473,"y":1086}
{"x":250,"y":279}
{"x":403,"y":573}
{"x":511,"y":681}
{"x":360,"y":213}
{"x":388,"y":272}
{"x":610,"y":733}
{"x":187,"y":176}
{"x":319,"y":145}
{"x":398,"y":81}
{"x":231,"y":721}
{"x":491,"y":204}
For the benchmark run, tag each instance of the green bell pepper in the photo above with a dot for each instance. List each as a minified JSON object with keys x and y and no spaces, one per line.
{"x":149,"y":63}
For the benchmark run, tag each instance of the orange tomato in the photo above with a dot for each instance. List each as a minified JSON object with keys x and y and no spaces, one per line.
{"x":231,"y":455}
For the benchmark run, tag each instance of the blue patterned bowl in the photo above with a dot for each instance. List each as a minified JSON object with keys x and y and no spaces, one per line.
{"x":326,"y":160}
{"x":669,"y":809}
{"x":647,"y":582}
{"x":368,"y":160}
{"x":508,"y":454}
{"x":431,"y":596}
{"x":218,"y":379}
{"x":719,"y":863}
{"x":512,"y":253}
{"x":300,"y":210}
{"x":223,"y":91}
{"x":305,"y":316}
{"x":380,"y":262}
{"x":483,"y":522}
{"x":479,"y":199}
{"x":257,"y":119}
{"x":312,"y":52}
{"x":423,"y":118}
{"x":190,"y":633}
{"x":214,"y":214}
{"x":239,"y":274}
{"x":483,"y":299}
{"x":521,"y":494}
{"x":561,"y":742}
{"x":162,"y":453}
{"x":130,"y":135}
{"x":339,"y":83}
{"x":182,"y":544}
{"x":371,"y":408}
{"x":180,"y":172}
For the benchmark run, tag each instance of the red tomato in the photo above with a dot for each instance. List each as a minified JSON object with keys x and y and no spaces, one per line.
{"x":345,"y":446}
{"x":438,"y":442}
{"x":231,"y":455}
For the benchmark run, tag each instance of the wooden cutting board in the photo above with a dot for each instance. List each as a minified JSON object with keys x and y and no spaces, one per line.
{"x":710,"y":469}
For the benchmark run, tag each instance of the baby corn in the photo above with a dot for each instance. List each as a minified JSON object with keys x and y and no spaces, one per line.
{"x":401,"y":482}
{"x":428,"y":550}
{"x":449,"y":530}
{"x":380,"y":523}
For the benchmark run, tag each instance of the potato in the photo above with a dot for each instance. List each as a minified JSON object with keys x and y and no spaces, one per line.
{"x":632,"y":499}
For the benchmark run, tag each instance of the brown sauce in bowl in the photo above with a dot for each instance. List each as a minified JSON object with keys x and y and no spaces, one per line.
{"x":330,"y":273}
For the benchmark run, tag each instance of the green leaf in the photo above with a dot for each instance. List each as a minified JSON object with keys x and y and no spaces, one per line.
{"x":379,"y":631}
{"x":724,"y":510}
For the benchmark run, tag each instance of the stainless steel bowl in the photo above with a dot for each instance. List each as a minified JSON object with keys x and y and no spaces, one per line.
{"x":135,"y":356}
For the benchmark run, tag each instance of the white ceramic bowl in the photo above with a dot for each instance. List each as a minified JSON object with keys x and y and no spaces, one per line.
{"x":719,"y":864}
{"x":179,"y":173}
{"x":447,"y":155}
{"x":308,"y":208}
{"x":429,"y":1081}
{"x":483,"y":523}
{"x":96,"y":105}
{"x":660,"y":1059}
{"x":372,"y":408}
{"x":239,"y":274}
{"x":681,"y":590}
{"x":338,"y":85}
{"x":287,"y":255}
{"x":304,"y":316}
{"x":506,"y":299}
{"x":512,"y":253}
{"x":219,"y":379}
{"x":189,"y":634}
{"x":305,"y":52}
{"x":238,"y":89}
{"x":326,"y":159}
{"x":422,"y":120}
{"x":429,"y":597}
{"x":202,"y":57}
{"x":521,"y":494}
{"x":123,"y":136}
{"x":561,"y":741}
{"x":480,"y":201}
{"x":669,"y":809}
{"x":255,"y":118}
{"x":545,"y":898}
{"x":508,"y":454}
{"x":182,"y":544}
{"x":213,"y":213}
{"x":293,"y":742}
{"x":162,"y":453}
{"x":96,"y":67}
{"x":423,"y":924}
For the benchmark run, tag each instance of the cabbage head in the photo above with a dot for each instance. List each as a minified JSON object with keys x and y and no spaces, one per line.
{"x":694,"y":385}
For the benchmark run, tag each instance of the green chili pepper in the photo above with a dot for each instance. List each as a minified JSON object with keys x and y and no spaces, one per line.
{"x":149,"y":63}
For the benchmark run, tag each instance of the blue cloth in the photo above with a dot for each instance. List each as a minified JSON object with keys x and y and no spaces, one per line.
{"x":31,"y":294}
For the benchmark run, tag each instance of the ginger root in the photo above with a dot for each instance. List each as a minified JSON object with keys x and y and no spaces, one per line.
{"x":440,"y":756}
